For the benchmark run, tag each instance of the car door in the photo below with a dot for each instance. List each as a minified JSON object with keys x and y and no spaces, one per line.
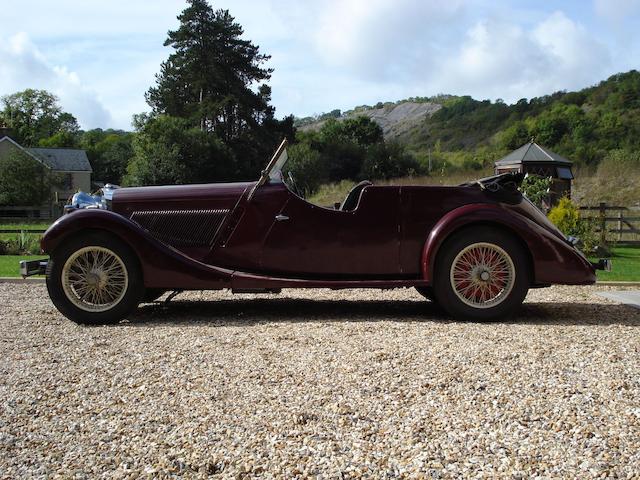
{"x":309,"y":241}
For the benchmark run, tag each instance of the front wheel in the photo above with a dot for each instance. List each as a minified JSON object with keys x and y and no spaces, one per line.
{"x":94,"y":279}
{"x":481,"y":274}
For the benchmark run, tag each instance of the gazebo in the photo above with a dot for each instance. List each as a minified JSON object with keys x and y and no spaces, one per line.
{"x":536,"y":160}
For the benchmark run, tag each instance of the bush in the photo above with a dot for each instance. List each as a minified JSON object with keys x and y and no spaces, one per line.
{"x":21,"y":244}
{"x":536,"y":189}
{"x":384,"y":161}
{"x":306,"y":166}
{"x":566,"y":216}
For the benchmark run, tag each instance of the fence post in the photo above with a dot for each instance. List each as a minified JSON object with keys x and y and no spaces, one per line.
{"x":603,"y":223}
{"x":620,"y":226}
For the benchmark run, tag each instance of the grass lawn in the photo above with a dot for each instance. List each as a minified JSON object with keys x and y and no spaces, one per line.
{"x":9,"y":264}
{"x":625,"y":265}
{"x":21,"y":226}
{"x":39,"y":225}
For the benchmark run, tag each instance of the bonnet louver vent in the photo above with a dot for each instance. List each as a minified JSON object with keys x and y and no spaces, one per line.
{"x":181,"y":228}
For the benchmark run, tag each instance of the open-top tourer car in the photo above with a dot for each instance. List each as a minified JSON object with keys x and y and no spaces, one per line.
{"x":475,"y":249}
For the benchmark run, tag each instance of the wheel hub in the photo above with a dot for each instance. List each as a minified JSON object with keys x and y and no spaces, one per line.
{"x":95,"y":279}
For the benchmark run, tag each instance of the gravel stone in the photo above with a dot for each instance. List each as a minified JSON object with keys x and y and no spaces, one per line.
{"x":320,"y":384}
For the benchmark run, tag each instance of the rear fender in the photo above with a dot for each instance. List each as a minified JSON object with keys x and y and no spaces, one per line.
{"x":552,"y":260}
{"x":162,"y":266}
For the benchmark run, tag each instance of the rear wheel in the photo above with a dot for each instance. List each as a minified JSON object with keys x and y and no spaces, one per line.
{"x":426,"y":292}
{"x":94,"y":279}
{"x":481,"y":274}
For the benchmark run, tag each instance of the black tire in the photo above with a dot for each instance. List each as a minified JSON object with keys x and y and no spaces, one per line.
{"x":426,"y":292}
{"x":510,"y":257}
{"x":152,"y":294}
{"x":67,"y":303}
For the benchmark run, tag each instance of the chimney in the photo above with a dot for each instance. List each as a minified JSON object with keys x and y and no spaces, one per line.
{"x":5,"y":132}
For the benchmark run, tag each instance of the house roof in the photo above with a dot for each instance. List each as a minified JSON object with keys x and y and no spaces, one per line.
{"x":57,"y":159}
{"x":62,"y":159}
{"x":533,"y":153}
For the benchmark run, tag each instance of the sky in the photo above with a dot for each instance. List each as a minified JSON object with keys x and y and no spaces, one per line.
{"x":100,"y":57}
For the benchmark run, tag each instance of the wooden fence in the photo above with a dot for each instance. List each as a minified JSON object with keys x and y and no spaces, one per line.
{"x":618,"y":224}
{"x":26,"y":213}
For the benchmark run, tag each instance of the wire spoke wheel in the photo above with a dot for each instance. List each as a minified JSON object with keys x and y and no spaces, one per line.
{"x":95,"y":279}
{"x":482,"y":275}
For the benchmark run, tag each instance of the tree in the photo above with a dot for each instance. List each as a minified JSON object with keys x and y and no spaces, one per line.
{"x":23,"y":180}
{"x":34,"y":115}
{"x":60,"y":140}
{"x":388,"y":160}
{"x":168,"y":150}
{"x":515,"y":136}
{"x":306,"y":165}
{"x":361,"y":130}
{"x":208,"y":79}
{"x":214,"y":82}
{"x":109,"y":152}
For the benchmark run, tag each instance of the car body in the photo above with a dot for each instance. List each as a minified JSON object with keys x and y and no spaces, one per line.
{"x":263,"y":236}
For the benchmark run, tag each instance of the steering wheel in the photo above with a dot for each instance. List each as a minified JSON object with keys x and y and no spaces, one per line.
{"x":293,"y":185}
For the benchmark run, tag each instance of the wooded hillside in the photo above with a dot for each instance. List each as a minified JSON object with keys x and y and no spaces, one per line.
{"x":584,"y":126}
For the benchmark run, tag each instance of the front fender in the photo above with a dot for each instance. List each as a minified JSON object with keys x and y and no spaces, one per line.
{"x":162,"y":266}
{"x":553,"y":261}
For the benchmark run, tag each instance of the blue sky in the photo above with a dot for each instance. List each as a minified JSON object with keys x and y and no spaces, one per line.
{"x":100,"y":57}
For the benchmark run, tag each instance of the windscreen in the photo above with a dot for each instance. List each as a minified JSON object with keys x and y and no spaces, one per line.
{"x":275,"y":175}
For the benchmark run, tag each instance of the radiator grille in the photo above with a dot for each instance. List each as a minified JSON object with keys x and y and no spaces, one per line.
{"x":181,"y":228}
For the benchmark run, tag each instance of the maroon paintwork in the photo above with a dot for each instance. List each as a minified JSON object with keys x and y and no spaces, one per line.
{"x":391,"y":239}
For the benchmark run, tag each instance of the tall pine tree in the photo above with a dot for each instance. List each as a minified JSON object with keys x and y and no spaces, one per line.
{"x":208,"y":79}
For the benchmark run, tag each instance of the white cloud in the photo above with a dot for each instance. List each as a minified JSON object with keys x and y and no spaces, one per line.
{"x":381,"y":39}
{"x":24,"y":66}
{"x":501,"y":59}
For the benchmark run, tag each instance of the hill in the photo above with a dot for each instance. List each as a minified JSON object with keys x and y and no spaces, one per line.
{"x":584,"y":125}
{"x":395,"y":119}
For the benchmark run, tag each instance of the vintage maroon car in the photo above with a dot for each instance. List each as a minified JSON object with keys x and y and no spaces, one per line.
{"x":475,"y":249}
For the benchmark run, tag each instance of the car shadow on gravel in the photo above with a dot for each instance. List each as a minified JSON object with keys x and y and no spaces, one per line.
{"x":254,"y":311}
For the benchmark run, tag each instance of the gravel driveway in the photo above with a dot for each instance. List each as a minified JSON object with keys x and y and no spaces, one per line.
{"x":345,"y":384}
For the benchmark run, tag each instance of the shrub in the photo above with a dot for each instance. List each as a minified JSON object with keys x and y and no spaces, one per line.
{"x":566,"y":216}
{"x":388,"y":161}
{"x":22,"y":244}
{"x":536,"y":189}
{"x":306,"y":165}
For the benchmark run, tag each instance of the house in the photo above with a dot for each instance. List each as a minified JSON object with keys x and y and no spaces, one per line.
{"x":534,"y":159}
{"x":71,"y":168}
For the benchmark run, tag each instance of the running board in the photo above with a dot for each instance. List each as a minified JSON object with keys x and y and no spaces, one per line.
{"x":255,"y":290}
{"x":245,"y":281}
